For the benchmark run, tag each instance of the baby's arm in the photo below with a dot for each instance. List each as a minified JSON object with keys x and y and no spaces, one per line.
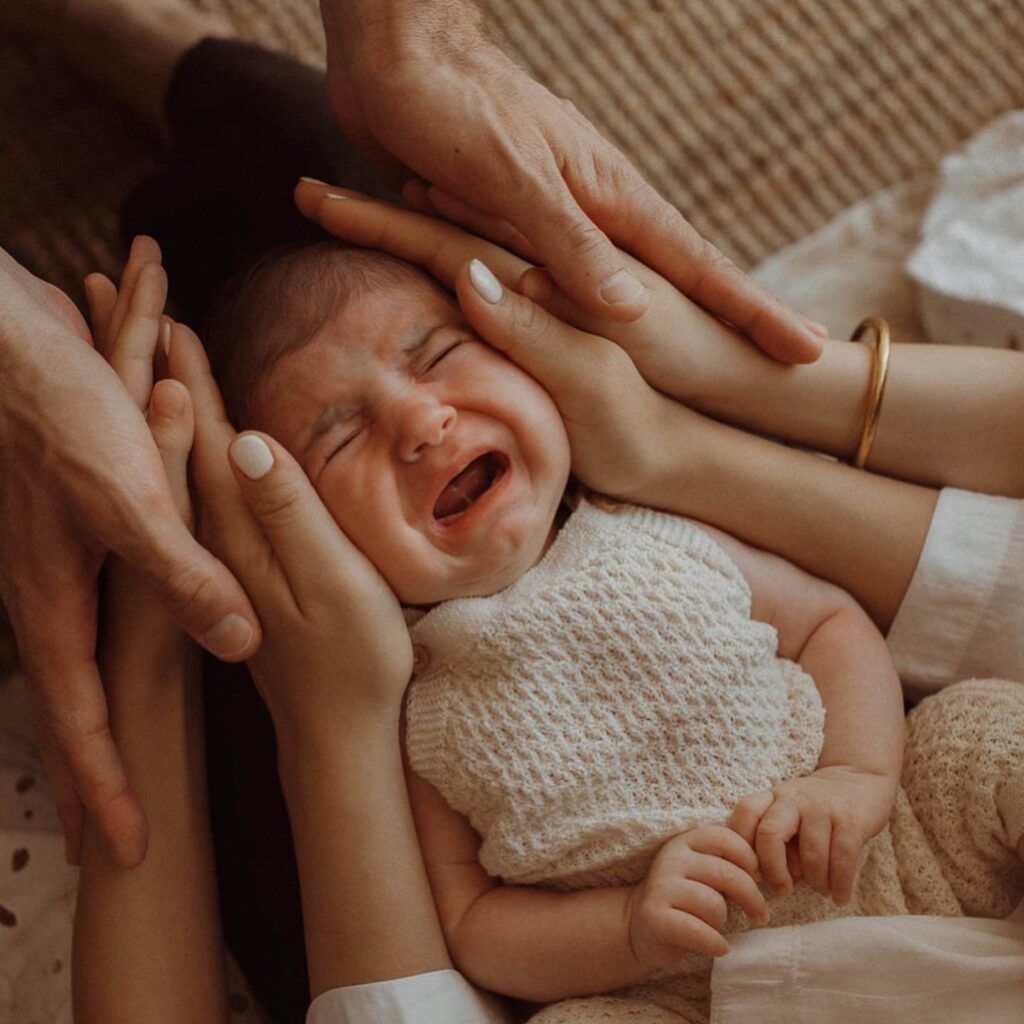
{"x":542,"y":945}
{"x":833,"y":812}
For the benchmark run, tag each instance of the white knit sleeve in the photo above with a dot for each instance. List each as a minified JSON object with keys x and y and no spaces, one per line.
{"x":963,"y":614}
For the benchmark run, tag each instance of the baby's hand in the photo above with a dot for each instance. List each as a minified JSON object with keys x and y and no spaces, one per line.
{"x":680,"y":907}
{"x":815,"y":827}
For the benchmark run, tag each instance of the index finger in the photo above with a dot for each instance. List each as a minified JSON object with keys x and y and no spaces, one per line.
{"x":71,"y":709}
{"x":433,"y":244}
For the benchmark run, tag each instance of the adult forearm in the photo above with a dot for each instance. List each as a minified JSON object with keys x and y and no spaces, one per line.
{"x":861,"y":531}
{"x":951,"y":416}
{"x":147,"y":940}
{"x":544,"y":946}
{"x":368,"y":913}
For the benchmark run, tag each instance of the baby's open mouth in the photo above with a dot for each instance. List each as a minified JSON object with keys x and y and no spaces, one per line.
{"x":468,"y":486}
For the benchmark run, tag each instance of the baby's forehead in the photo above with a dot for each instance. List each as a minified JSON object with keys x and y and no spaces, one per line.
{"x":385,"y":315}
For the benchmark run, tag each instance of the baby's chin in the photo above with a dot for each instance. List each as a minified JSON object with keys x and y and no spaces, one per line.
{"x":471,"y":580}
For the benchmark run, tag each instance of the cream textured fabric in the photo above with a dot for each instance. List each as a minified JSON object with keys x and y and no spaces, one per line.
{"x":619,"y":693}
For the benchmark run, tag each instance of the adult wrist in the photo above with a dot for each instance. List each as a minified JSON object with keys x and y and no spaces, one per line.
{"x":369,"y":33}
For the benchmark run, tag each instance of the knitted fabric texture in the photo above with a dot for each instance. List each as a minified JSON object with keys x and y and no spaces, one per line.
{"x":616,"y":694}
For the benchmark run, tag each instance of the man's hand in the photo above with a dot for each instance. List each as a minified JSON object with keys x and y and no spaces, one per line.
{"x":680,"y":907}
{"x":420,"y":87}
{"x":81,"y":476}
{"x":815,"y":827}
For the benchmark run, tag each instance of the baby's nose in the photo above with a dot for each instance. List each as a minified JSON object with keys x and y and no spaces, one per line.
{"x":424,"y":425}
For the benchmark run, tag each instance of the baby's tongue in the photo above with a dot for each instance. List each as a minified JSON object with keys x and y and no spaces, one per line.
{"x":465,"y":488}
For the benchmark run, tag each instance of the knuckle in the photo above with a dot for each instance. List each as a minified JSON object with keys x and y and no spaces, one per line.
{"x":530,"y":321}
{"x":277,"y":507}
{"x":583,"y":238}
{"x":185,"y":590}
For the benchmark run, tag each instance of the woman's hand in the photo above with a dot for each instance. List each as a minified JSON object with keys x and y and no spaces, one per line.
{"x":678,"y":347}
{"x":334,"y":638}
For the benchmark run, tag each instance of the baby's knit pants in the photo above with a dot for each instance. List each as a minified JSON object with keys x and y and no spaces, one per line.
{"x":950,"y":848}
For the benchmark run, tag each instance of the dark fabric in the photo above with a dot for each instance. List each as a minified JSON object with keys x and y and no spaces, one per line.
{"x":246,"y":124}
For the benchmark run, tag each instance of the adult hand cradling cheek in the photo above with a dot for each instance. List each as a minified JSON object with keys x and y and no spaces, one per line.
{"x":423,"y":90}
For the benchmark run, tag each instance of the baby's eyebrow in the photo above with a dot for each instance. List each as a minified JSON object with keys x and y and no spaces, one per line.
{"x":332,"y":414}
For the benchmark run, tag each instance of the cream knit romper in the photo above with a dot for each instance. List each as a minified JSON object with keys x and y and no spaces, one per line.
{"x":619,"y":693}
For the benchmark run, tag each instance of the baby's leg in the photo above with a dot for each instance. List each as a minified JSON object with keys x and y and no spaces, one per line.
{"x":964,"y":777}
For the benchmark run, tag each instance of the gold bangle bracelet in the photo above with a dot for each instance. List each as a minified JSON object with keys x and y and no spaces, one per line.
{"x":879,"y":375}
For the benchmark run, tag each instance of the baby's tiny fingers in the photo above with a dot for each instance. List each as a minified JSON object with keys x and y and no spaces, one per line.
{"x":132,"y":349}
{"x":747,"y":814}
{"x":732,"y":881}
{"x":780,"y":823}
{"x":847,"y":847}
{"x":172,"y":425}
{"x":685,"y":933}
{"x":814,"y":843}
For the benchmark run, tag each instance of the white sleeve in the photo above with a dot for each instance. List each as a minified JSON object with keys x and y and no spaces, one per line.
{"x":963,"y":613}
{"x":438,"y":997}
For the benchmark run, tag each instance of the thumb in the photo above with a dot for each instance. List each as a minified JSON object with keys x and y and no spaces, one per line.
{"x":580,"y":256}
{"x":306,"y":541}
{"x":197,"y":590}
{"x":567,"y":362}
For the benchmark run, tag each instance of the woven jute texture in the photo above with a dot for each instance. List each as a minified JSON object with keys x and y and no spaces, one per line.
{"x":760,"y":119}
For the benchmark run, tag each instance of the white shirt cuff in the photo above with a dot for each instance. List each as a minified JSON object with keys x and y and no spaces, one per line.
{"x":438,"y":997}
{"x":963,"y":613}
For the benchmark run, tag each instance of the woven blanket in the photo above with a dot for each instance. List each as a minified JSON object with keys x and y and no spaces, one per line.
{"x":760,"y":119}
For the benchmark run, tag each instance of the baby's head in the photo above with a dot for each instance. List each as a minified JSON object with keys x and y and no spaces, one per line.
{"x":440,"y":459}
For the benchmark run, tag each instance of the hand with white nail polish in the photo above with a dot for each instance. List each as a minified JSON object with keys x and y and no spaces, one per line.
{"x":334,"y":637}
{"x":425,"y":93}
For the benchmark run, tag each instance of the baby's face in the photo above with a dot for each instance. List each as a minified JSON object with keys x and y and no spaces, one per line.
{"x":440,"y":459}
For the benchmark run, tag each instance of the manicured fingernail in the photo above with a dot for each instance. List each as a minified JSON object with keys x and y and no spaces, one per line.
{"x":313,"y":181}
{"x":229,"y":637}
{"x":819,"y":328}
{"x":165,"y":334}
{"x":486,"y":284}
{"x":335,"y":195}
{"x":252,"y":456}
{"x":621,"y":287}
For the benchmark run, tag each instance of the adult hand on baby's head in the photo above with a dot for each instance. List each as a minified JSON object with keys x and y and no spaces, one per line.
{"x":425,"y":91}
{"x":678,"y":348}
{"x":333,"y":632}
{"x":81,"y":476}
{"x":615,"y":420}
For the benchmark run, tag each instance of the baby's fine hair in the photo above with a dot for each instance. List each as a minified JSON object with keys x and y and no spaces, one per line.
{"x":279,"y":303}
